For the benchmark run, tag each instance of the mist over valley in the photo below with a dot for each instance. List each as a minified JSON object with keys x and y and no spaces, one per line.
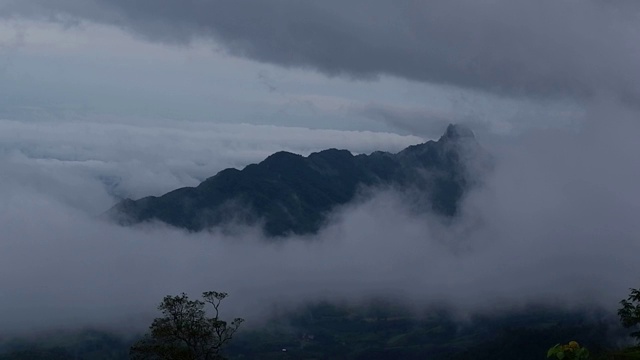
{"x":451,"y":180}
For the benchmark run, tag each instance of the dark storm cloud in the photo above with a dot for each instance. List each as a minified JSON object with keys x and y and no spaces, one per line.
{"x":540,"y":48}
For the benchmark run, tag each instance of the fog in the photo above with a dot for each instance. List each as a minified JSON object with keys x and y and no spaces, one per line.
{"x":554,"y":222}
{"x":551,"y":86}
{"x":143,"y":157}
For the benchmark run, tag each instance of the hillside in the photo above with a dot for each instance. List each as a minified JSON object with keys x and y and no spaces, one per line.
{"x":292,"y":194}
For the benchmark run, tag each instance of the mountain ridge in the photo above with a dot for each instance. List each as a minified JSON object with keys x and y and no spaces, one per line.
{"x":292,"y":194}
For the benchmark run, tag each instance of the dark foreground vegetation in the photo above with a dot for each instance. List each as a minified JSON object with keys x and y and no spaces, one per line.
{"x":382,"y":331}
{"x":377,"y":330}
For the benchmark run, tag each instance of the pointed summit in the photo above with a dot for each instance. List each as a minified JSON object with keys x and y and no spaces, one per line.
{"x":455,"y":131}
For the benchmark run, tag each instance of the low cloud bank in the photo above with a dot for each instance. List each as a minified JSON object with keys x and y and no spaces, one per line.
{"x":555,"y":222}
{"x":142,"y":158}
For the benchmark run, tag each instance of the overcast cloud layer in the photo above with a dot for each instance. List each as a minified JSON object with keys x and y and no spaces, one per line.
{"x":543,"y":48}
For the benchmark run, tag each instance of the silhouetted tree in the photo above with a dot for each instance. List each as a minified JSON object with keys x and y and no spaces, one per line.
{"x":184,"y":332}
{"x":630,"y":312}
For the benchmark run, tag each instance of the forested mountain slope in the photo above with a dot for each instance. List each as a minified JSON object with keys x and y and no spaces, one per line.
{"x":292,"y":194}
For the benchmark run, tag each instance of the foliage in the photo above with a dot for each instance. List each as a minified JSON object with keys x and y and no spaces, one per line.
{"x":630,"y":312}
{"x":570,"y":351}
{"x":621,"y":354}
{"x":185,"y":332}
{"x":376,"y":330}
{"x":385,"y":331}
{"x":85,"y":344}
{"x":37,"y":354}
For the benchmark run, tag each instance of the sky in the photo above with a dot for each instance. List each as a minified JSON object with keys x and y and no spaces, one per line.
{"x":106,"y":99}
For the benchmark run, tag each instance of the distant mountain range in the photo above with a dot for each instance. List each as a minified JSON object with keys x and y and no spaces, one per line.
{"x":292,"y":194}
